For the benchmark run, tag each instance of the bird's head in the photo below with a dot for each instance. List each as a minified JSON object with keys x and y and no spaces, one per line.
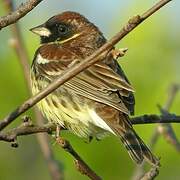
{"x":65,"y":27}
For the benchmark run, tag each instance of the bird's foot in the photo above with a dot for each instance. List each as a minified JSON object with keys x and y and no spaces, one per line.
{"x":90,"y":138}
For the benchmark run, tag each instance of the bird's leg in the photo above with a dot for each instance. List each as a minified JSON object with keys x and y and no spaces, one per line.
{"x":58,"y":128}
{"x":89,"y":139}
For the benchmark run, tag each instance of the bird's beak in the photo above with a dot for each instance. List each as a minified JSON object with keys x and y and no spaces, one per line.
{"x":41,"y":31}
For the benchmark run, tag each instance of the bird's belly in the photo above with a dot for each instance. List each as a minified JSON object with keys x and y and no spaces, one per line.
{"x":71,"y":111}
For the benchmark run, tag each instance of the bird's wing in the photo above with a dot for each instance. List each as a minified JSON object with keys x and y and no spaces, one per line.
{"x":127,"y":97}
{"x":99,"y":82}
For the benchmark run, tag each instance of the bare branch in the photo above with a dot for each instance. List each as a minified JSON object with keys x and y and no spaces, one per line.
{"x":26,"y":129}
{"x":81,"y":166}
{"x":18,"y":45}
{"x":20,"y":12}
{"x":54,"y":167}
{"x":71,"y":72}
{"x":164,"y":128}
{"x":104,"y":50}
{"x":155,"y":8}
{"x":174,"y":88}
{"x":153,"y":118}
{"x":12,"y":134}
{"x":150,"y":175}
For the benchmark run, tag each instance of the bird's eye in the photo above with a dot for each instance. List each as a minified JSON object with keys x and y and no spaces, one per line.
{"x":62,"y":29}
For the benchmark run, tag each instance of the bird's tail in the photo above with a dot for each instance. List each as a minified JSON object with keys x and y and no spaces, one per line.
{"x":137,"y":149}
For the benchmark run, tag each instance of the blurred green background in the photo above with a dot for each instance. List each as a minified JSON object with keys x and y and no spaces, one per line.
{"x":152,"y":64}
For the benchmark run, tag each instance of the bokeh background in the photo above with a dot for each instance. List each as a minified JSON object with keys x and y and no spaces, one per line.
{"x":152,"y":64}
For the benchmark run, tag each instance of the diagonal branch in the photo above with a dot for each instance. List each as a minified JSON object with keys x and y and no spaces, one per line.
{"x":20,"y":12}
{"x":79,"y":162}
{"x":18,"y":45}
{"x":71,"y":72}
{"x":27,"y":129}
{"x":164,"y":127}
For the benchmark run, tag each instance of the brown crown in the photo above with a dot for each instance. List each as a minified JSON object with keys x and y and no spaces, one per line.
{"x":69,"y":16}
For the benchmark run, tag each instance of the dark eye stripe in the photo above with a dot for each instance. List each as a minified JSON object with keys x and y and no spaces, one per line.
{"x":59,"y":31}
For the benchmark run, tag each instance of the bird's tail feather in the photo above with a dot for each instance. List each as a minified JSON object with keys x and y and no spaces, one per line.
{"x":137,"y":149}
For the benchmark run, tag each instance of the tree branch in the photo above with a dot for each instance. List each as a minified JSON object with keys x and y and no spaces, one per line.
{"x":12,"y":135}
{"x":150,"y":175}
{"x":166,"y":129}
{"x":71,"y":72}
{"x":163,"y":127}
{"x":18,"y":45}
{"x":49,"y":128}
{"x":153,"y":118}
{"x":20,"y":12}
{"x":79,"y":162}
{"x":27,"y":129}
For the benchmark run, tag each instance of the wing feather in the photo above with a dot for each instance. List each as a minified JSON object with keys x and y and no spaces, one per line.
{"x":99,"y":82}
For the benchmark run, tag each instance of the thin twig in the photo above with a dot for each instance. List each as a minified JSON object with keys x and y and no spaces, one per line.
{"x":20,"y":12}
{"x":150,"y":175}
{"x":133,"y":22}
{"x":12,"y":134}
{"x":163,"y":128}
{"x":18,"y":45}
{"x":79,"y":162}
{"x":54,"y":166}
{"x":153,"y":118}
{"x":49,"y":128}
{"x":166,"y":128}
{"x":71,"y":72}
{"x":174,"y":88}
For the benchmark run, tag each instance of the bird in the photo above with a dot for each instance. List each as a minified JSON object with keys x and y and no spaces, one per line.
{"x":94,"y":103}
